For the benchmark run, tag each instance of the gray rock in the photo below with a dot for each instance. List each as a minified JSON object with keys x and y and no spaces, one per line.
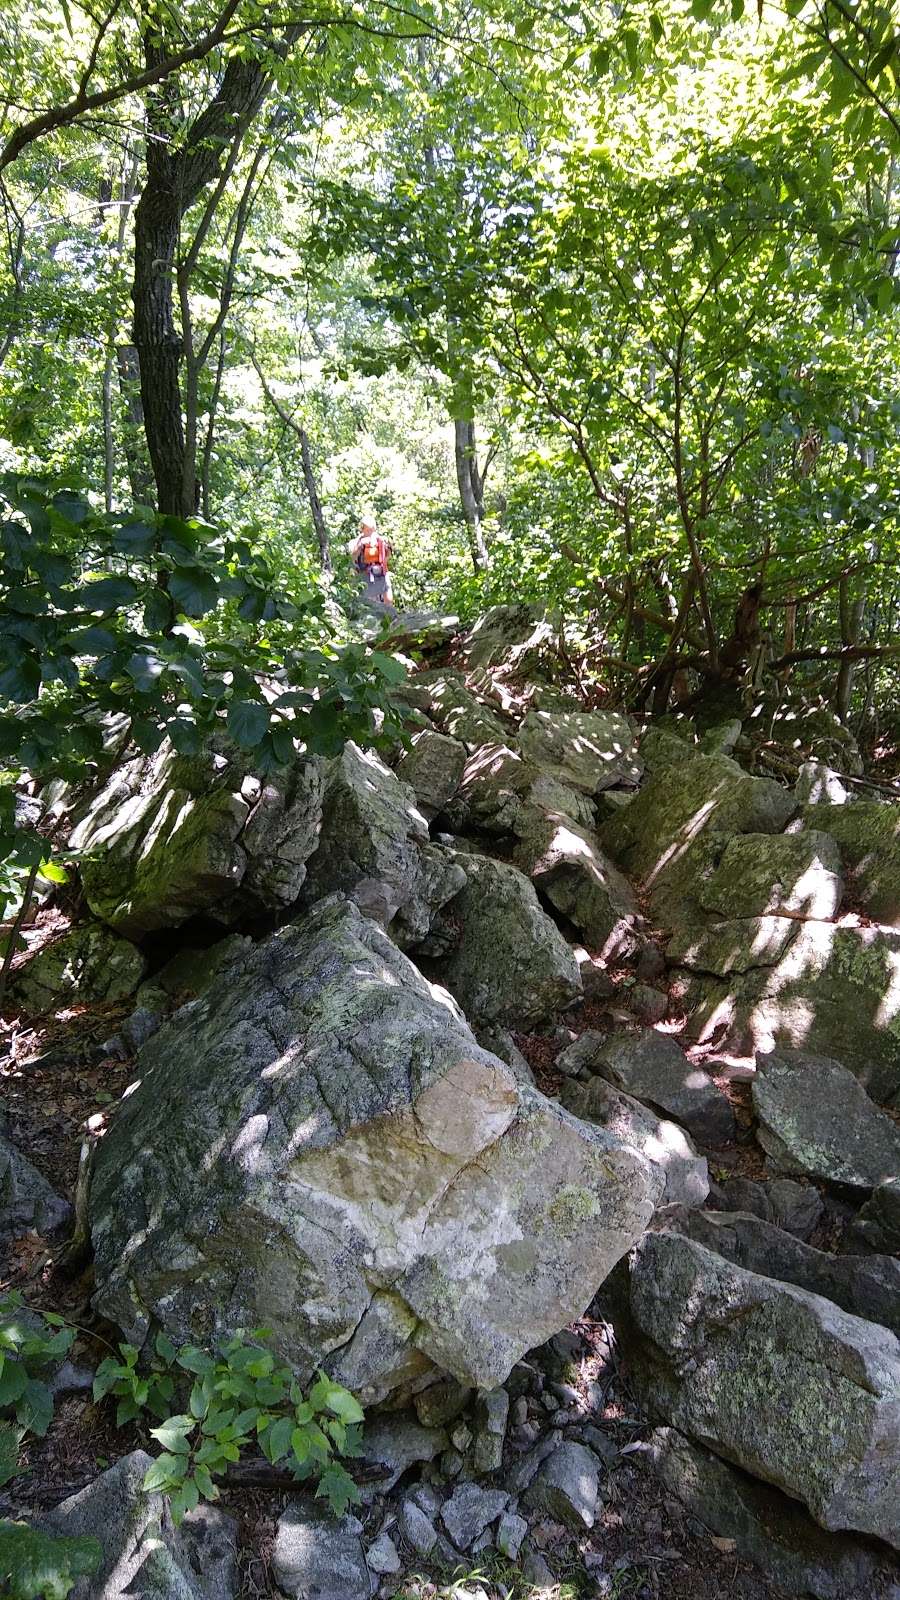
{"x":394,"y":1441}
{"x":790,"y":875}
{"x":417,"y":1528}
{"x":315,"y":1557}
{"x":720,"y":738}
{"x":537,"y":1572}
{"x":142,"y":1551}
{"x":649,"y":1005}
{"x":512,"y":965}
{"x":566,"y":1486}
{"x":877,"y":1224}
{"x":818,"y":783}
{"x":565,"y":863}
{"x":190,"y":972}
{"x":685,"y":1174}
{"x":326,"y":1123}
{"x":865,"y":1286}
{"x":374,"y":847}
{"x":651,"y":1066}
{"x":433,"y":767}
{"x":511,"y":1530}
{"x":456,"y":710}
{"x":671,"y":836}
{"x":662,"y":747}
{"x":816,"y":1118}
{"x":511,"y":635}
{"x":441,"y":1402}
{"x":779,"y":1381}
{"x":767,"y":1527}
{"x":171,"y":836}
{"x":492,"y":1412}
{"x":26,"y":1198}
{"x":89,"y":962}
{"x":796,"y":1207}
{"x":469,"y":1510}
{"x":580,"y":1058}
{"x":738,"y":945}
{"x":590,"y":750}
{"x":383,"y":1556}
{"x":742,"y":1194}
{"x":829,"y":991}
{"x":501,"y":793}
{"x":868,"y":833}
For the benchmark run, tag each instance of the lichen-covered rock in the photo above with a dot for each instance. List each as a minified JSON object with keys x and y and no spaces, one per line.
{"x":170,"y":837}
{"x":737,"y":945}
{"x":88,"y":962}
{"x":834,"y":990}
{"x":318,"y":1557}
{"x":456,"y":711}
{"x":589,"y":750}
{"x":663,"y":747}
{"x":779,"y":1381}
{"x":519,"y":636}
{"x":511,"y":965}
{"x":318,"y":1145}
{"x":469,"y":1510}
{"x":565,"y":863}
{"x":672,"y":836}
{"x":684,"y":1174}
{"x":876,"y":1225}
{"x":565,"y":1486}
{"x":790,"y":875}
{"x":767,"y":1527}
{"x":433,"y":767}
{"x":501,"y":793}
{"x":868,"y":833}
{"x":815,"y":1117}
{"x":651,"y":1066}
{"x":26,"y":1198}
{"x":143,"y":1553}
{"x":374,"y":846}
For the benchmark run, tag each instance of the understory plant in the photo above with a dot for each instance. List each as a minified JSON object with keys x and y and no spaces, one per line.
{"x":240,"y":1399}
{"x":30,"y":1342}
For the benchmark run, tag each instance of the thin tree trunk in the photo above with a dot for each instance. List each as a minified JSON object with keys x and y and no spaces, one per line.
{"x":211,"y":427}
{"x":127,"y":188}
{"x":470,"y":490}
{"x":140,"y":476}
{"x":852,"y":610}
{"x":315,"y":504}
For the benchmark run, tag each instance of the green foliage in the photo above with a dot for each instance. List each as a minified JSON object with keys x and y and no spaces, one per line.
{"x":238,"y":1398}
{"x":29,"y":1343}
{"x":38,"y":1566}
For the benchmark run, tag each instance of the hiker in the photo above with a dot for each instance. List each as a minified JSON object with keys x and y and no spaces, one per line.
{"x":371,"y":555}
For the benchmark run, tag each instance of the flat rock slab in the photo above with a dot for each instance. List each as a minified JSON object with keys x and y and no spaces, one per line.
{"x":788,"y":875}
{"x":767,"y":1528}
{"x":318,"y":1145}
{"x":511,"y":965}
{"x":315,"y":1557}
{"x":868,"y":834}
{"x":591,"y":750}
{"x":143,"y":1553}
{"x":651,"y":1066}
{"x":736,"y":945}
{"x":684,"y":1173}
{"x":779,"y":1381}
{"x":815,"y":1117}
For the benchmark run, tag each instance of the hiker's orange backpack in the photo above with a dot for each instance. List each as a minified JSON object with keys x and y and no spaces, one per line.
{"x":374,"y":551}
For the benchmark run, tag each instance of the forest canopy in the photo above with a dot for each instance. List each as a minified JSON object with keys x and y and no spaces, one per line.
{"x":590,"y":305}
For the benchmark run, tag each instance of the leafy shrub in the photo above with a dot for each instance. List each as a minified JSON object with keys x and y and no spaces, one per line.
{"x":38,"y":1566}
{"x":29,"y":1342}
{"x":238,"y":1397}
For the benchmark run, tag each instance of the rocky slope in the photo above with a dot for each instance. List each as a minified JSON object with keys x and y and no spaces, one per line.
{"x":543,"y":1009}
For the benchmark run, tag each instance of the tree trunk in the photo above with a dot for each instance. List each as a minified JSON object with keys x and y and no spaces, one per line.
{"x":315,"y":504}
{"x":471,"y":490}
{"x":852,"y":610}
{"x":140,"y":477}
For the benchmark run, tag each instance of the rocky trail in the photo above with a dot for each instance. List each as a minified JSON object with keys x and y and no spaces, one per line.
{"x":540,"y":1083}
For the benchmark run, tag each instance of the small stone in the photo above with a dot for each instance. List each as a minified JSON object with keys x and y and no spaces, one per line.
{"x":600,"y":1443}
{"x":416,"y":1528}
{"x":566,"y":1486}
{"x":441,"y":1402}
{"x":493,"y":1414}
{"x":519,"y":1410}
{"x":383,"y":1556}
{"x":427,"y":1499}
{"x":650,"y":964}
{"x":566,"y":1393}
{"x":536,"y":1571}
{"x":470,"y":1510}
{"x":580,"y":1059}
{"x":596,"y":982}
{"x":527,"y":1433}
{"x":461,"y":1437}
{"x":511,"y":1530}
{"x":816,"y":1118}
{"x":649,"y":1005}
{"x":742,"y":1194}
{"x":561,"y":1419}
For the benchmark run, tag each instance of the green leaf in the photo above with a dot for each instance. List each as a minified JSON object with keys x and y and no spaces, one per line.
{"x":10,"y":1440}
{"x":248,"y":721}
{"x":337,"y":1487}
{"x":165,"y":1470}
{"x":35,"y":1408}
{"x":13,"y":1382}
{"x":193,"y":590}
{"x":172,"y":1434}
{"x":276,"y":1442}
{"x":184,"y":1500}
{"x":106,"y":594}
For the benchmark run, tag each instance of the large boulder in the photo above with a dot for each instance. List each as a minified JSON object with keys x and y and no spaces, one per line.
{"x":791,"y":875}
{"x":26,"y":1198}
{"x":170,"y":837}
{"x":455,"y":709}
{"x":318,"y":1557}
{"x":684,"y":1173}
{"x":651,"y":1066}
{"x":672,"y":836}
{"x":501,"y":793}
{"x":766,"y":1527}
{"x":374,"y":846}
{"x":518,"y":636}
{"x":776,"y":1380}
{"x":589,"y":750}
{"x":318,"y":1145}
{"x":565,"y":863}
{"x":511,"y":964}
{"x":815,"y":1117}
{"x":868,"y":833}
{"x":143,"y":1553}
{"x":736,"y":945}
{"x":833,"y":990}
{"x":432,"y":766}
{"x":87,"y":963}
